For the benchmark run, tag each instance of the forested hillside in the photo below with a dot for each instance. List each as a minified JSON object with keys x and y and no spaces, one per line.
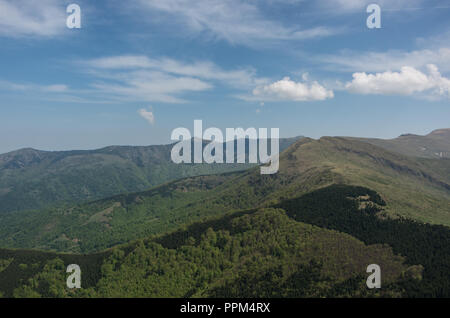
{"x":33,"y":179}
{"x":272,"y":180}
{"x":317,"y":245}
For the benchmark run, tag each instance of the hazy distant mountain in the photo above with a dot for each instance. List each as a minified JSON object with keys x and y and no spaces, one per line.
{"x":434,"y":145}
{"x":32,"y":179}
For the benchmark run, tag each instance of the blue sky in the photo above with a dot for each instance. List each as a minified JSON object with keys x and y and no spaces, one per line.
{"x":138,"y":69}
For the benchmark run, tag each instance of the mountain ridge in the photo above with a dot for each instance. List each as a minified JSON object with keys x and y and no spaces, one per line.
{"x":33,"y":179}
{"x":410,"y":187}
{"x":435,"y":144}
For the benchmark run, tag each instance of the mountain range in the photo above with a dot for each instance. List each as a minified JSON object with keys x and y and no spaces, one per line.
{"x":336,"y":205}
{"x":33,"y":179}
{"x":434,"y":145}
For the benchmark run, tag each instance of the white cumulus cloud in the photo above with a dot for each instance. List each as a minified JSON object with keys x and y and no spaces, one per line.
{"x":407,"y":81}
{"x":289,"y":90}
{"x":147,"y":115}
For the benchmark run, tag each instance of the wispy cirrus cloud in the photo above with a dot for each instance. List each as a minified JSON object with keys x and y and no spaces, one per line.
{"x":235,"y":21}
{"x":52,"y":92}
{"x":349,"y":6}
{"x":199,"y":69}
{"x":43,"y":18}
{"x":352,"y":61}
{"x":148,"y":79}
{"x":147,"y":86}
{"x":138,"y":78}
{"x":13,"y":86}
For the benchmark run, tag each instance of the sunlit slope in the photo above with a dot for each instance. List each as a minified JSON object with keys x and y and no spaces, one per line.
{"x":415,"y":188}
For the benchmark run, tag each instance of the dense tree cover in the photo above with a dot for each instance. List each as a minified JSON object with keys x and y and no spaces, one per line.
{"x":72,"y":180}
{"x":108,"y":222}
{"x":105,"y":223}
{"x":265,"y":254}
{"x":317,"y":245}
{"x":425,"y":244}
{"x":42,"y":270}
{"x":253,"y":253}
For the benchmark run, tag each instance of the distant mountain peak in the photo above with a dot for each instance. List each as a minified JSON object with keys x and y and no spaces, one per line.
{"x":24,"y":150}
{"x":408,"y":135}
{"x":440,"y":132}
{"x":22,"y":153}
{"x":21,"y":158}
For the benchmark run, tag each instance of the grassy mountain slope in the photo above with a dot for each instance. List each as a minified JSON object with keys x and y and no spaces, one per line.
{"x":434,"y":145}
{"x":33,"y":179}
{"x":410,"y":186}
{"x":415,"y":188}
